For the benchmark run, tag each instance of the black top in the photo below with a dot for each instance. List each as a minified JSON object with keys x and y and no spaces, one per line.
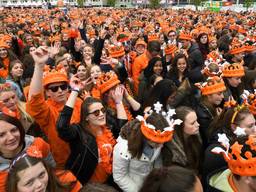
{"x":83,"y":158}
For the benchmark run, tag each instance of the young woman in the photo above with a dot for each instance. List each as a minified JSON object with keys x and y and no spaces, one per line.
{"x":30,"y":173}
{"x":15,"y":77}
{"x":9,"y":100}
{"x":185,"y":149}
{"x":203,"y":44}
{"x":155,"y":67}
{"x":14,"y":141}
{"x":163,"y":91}
{"x":212,"y":96}
{"x":138,"y":150}
{"x":232,"y":76}
{"x":179,"y":70}
{"x":227,"y":122}
{"x":93,"y":139}
{"x":81,"y":72}
{"x":6,"y":56}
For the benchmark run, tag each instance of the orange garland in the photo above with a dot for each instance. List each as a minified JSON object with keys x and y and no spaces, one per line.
{"x":4,"y":71}
{"x":106,"y":143}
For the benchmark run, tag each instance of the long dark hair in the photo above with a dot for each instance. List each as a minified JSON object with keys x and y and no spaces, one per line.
{"x":161,"y":92}
{"x":25,"y":162}
{"x":16,"y":123}
{"x":204,"y":48}
{"x":149,"y":70}
{"x":173,"y":178}
{"x":11,"y":57}
{"x":132,"y":133}
{"x":192,"y":145}
{"x":174,"y":72}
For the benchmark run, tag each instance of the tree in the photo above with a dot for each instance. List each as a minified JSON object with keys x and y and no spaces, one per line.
{"x":111,"y":3}
{"x":248,"y":3}
{"x":154,"y":3}
{"x":80,"y":3}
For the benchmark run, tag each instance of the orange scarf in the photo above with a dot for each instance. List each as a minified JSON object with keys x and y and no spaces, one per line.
{"x":106,"y":143}
{"x":4,"y":70}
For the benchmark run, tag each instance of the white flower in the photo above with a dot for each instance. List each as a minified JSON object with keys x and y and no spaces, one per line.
{"x":140,"y":118}
{"x":222,"y":138}
{"x":239,"y":131}
{"x":158,"y":107}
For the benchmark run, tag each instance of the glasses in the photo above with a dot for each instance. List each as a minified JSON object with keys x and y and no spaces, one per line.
{"x":56,"y":88}
{"x":96,"y":113}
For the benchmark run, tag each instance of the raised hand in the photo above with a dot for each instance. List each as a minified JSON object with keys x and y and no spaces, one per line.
{"x":40,"y":55}
{"x":117,"y":94}
{"x":55,"y":49}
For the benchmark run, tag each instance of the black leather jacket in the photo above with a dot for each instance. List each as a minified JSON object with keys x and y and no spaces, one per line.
{"x":84,"y":150}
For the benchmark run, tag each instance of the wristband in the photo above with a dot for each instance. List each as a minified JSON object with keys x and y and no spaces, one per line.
{"x":129,"y":97}
{"x":120,"y":102}
{"x":76,"y":89}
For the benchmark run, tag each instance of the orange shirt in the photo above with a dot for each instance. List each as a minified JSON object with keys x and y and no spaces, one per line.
{"x":46,"y":113}
{"x":140,"y":63}
{"x":67,"y":178}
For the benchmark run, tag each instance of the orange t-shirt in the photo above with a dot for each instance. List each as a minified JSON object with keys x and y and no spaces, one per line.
{"x":46,"y":113}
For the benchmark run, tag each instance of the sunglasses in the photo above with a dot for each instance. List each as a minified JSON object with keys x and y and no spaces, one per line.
{"x":56,"y":88}
{"x":96,"y":113}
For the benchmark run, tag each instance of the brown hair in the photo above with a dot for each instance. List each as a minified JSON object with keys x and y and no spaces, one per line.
{"x":88,"y":74}
{"x":25,"y":162}
{"x":16,"y":123}
{"x":132,"y":132}
{"x":167,"y":179}
{"x":223,"y":121}
{"x":12,"y":63}
{"x":85,"y":111}
{"x":192,"y":145}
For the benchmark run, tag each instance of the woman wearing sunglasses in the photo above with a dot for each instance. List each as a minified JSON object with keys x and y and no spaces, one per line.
{"x":92,"y":139}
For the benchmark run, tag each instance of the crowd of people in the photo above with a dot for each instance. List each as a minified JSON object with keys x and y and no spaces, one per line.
{"x":149,"y":100}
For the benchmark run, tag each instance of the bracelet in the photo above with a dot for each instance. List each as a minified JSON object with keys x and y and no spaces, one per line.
{"x":76,"y":89}
{"x":118,"y":103}
{"x":129,"y":97}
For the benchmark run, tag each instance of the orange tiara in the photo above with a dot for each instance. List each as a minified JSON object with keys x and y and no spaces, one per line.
{"x":233,"y":70}
{"x":185,"y":36}
{"x":153,"y":37}
{"x":106,"y":81}
{"x":236,"y":47}
{"x":54,"y":76}
{"x":150,"y":131}
{"x":243,"y":166}
{"x":116,"y":51}
{"x":212,"y":85}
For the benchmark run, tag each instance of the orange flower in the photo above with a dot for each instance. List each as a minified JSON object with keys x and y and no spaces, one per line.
{"x":33,"y":151}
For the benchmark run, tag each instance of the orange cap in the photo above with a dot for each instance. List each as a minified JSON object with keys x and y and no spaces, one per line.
{"x":185,"y":36}
{"x":106,"y":81}
{"x":212,"y":85}
{"x":54,"y":76}
{"x":170,"y":49}
{"x":116,"y":51}
{"x":233,"y":70}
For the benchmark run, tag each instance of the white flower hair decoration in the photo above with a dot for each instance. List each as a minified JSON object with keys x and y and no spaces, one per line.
{"x":222,"y":138}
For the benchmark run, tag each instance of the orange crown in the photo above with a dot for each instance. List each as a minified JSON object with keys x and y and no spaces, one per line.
{"x":243,"y":166}
{"x":185,"y":36}
{"x":116,"y":51}
{"x":156,"y":135}
{"x":54,"y":76}
{"x":252,"y":107}
{"x":153,"y":37}
{"x":236,"y":47}
{"x":212,"y":85}
{"x":170,"y":49}
{"x":233,"y":70}
{"x":106,"y":81}
{"x":140,"y":42}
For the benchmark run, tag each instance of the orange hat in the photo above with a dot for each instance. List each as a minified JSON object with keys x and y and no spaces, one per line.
{"x":185,"y":36}
{"x":170,"y":49}
{"x":106,"y":81}
{"x":240,"y":165}
{"x":236,"y":47}
{"x":212,"y":38}
{"x":3,"y":44}
{"x":212,"y":85}
{"x":55,"y":38}
{"x":7,"y":37}
{"x":116,"y":51}
{"x":153,"y":37}
{"x":73,"y":33}
{"x":122,"y":37}
{"x":54,"y":76}
{"x":233,"y":70}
